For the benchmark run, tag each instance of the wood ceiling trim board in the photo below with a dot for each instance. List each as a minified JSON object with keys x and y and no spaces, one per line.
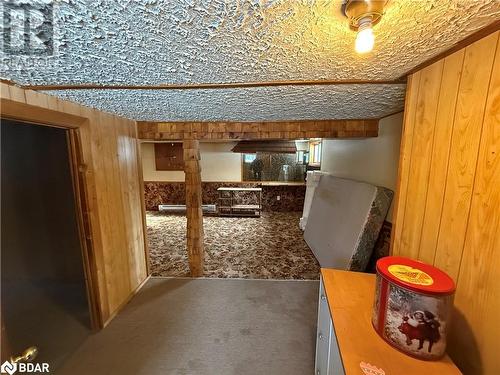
{"x":257,"y":123}
{"x":392,"y":114}
{"x":224,"y":85}
{"x":480,"y":34}
{"x":257,"y":130}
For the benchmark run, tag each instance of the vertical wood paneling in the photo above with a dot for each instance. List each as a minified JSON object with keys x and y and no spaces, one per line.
{"x":478,"y":295}
{"x":423,"y":135}
{"x":460,"y":219}
{"x":130,"y":161}
{"x":464,"y":149}
{"x":110,"y":162}
{"x":119,"y":283}
{"x":447,"y":98}
{"x":404,"y":160}
{"x":95,"y":222}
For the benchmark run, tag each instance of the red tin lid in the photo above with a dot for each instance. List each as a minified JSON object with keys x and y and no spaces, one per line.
{"x":414,"y":275}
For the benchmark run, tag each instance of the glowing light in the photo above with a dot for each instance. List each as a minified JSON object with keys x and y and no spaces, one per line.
{"x":365,"y":39}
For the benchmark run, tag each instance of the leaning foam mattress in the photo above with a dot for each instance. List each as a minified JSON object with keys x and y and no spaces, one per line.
{"x":344,"y":222}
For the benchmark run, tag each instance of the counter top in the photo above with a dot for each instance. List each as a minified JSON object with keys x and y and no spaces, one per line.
{"x":238,"y":189}
{"x":281,"y":183}
{"x":260,"y":183}
{"x":350,"y":298}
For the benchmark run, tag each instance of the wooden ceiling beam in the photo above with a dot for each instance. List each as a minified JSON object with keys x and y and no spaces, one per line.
{"x":223,"y":85}
{"x":169,"y":131}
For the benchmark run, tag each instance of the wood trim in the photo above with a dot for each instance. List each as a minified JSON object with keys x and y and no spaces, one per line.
{"x":222,"y":85}
{"x":485,"y":31}
{"x":77,"y":168}
{"x":391,"y":114}
{"x":33,"y":114}
{"x":143,"y":203}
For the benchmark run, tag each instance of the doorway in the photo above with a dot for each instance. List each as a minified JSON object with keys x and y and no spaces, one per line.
{"x":44,"y":293}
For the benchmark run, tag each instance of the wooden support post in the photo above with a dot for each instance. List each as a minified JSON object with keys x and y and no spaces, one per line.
{"x":194,"y":212}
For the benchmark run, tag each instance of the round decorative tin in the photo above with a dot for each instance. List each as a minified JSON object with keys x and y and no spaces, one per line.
{"x":413,"y":302}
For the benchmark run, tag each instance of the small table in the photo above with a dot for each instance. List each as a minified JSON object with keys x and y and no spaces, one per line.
{"x":227,"y":206}
{"x":346,"y":336}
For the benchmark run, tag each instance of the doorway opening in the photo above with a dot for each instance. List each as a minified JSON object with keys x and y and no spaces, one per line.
{"x":252,"y":200}
{"x":45,"y":299}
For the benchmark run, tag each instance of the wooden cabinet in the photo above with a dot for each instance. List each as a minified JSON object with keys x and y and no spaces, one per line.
{"x":169,"y":157}
{"x":346,"y":341}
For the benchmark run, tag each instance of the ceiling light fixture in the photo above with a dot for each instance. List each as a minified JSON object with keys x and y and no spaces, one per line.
{"x":363,"y":15}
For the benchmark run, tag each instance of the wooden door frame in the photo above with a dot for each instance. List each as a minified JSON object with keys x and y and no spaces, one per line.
{"x":80,"y":194}
{"x":15,"y":111}
{"x":143,"y":203}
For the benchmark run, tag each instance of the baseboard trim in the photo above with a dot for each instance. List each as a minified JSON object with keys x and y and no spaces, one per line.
{"x":228,"y":278}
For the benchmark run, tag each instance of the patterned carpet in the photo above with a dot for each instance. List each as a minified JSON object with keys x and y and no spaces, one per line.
{"x":269,"y":247}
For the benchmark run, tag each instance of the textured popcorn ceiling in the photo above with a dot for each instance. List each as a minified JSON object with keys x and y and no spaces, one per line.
{"x":249,"y":104}
{"x":187,"y":41}
{"x":142,"y":42}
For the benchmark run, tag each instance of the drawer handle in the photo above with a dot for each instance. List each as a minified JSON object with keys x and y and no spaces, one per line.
{"x":320,"y":336}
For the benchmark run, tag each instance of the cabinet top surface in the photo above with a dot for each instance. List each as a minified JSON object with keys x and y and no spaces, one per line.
{"x":238,"y":189}
{"x":350,"y":298}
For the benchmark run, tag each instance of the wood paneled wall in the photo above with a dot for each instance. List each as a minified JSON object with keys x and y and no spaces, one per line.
{"x":447,"y":211}
{"x":111,"y":166}
{"x":258,"y":130}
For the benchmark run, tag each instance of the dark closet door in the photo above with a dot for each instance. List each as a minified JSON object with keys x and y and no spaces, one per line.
{"x":44,"y":300}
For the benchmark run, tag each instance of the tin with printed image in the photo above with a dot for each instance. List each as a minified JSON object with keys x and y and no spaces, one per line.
{"x":412,"y":306}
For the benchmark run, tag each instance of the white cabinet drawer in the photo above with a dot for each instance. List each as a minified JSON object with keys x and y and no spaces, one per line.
{"x":335,"y":366}
{"x":328,"y":361}
{"x":323,"y":334}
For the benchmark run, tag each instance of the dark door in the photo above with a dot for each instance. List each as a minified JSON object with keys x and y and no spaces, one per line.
{"x":44,"y":301}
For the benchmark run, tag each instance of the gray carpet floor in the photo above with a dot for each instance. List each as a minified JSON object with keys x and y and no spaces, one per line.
{"x":185,"y":326}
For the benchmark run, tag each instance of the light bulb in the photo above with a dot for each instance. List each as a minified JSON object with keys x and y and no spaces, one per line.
{"x":365,"y":39}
